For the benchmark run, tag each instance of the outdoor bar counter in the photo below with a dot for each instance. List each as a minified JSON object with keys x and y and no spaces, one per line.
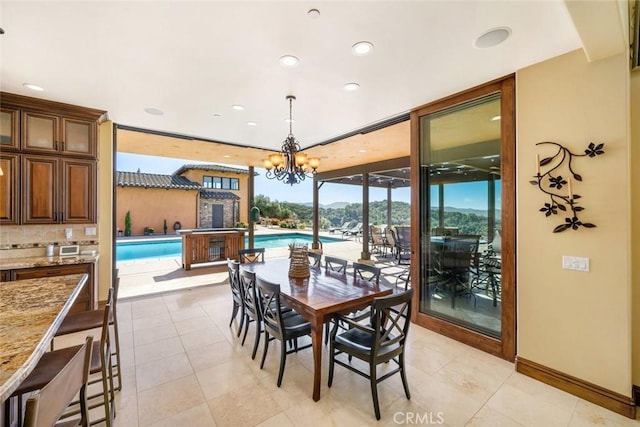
{"x":31,"y":311}
{"x":205,"y":245}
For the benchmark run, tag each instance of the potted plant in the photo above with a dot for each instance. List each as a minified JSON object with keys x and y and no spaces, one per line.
{"x":164,"y":226}
{"x":148,"y":231}
{"x":127,"y":224}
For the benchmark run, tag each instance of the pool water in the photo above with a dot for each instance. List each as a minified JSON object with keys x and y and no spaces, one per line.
{"x":160,"y":248}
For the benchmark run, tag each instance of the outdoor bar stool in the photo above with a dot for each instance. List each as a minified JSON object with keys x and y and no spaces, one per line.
{"x":46,"y":406}
{"x":86,"y":320}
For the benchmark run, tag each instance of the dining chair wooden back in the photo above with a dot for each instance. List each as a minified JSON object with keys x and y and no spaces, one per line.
{"x":251,"y":308}
{"x":367,"y":272}
{"x":44,"y":408}
{"x":233,"y":268}
{"x":338,"y":265}
{"x":315,"y":259}
{"x":248,"y":256}
{"x":277,"y":326}
{"x":381,"y":342}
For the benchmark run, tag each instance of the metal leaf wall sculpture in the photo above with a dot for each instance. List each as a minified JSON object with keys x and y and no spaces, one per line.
{"x":551,"y":182}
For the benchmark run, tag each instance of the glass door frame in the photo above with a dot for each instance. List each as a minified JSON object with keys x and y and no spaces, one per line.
{"x":505,"y":346}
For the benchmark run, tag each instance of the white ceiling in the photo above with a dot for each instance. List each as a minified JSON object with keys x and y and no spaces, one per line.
{"x":195,"y":59}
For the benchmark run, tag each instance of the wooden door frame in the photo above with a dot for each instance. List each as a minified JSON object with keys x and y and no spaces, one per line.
{"x":504,"y":347}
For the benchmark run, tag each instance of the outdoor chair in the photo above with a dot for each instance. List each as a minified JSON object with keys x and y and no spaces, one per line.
{"x":381,"y":342}
{"x":338,"y":265}
{"x":403,"y":244}
{"x":315,"y":259}
{"x":248,"y":256}
{"x":378,"y":242}
{"x":44,"y":408}
{"x":277,"y":325}
{"x":355,"y":231}
{"x":233,"y":267}
{"x":456,"y":259}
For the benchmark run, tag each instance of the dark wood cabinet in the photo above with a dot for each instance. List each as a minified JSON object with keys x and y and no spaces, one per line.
{"x":58,"y":190}
{"x":86,"y":299}
{"x":52,"y":176}
{"x":9,"y":182}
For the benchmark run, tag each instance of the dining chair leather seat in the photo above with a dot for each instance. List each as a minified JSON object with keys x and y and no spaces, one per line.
{"x":44,"y":408}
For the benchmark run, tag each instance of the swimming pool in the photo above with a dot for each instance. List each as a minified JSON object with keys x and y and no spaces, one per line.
{"x":161,"y":248}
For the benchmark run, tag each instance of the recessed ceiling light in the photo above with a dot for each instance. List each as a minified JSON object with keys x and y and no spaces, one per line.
{"x":313,"y":13}
{"x":350,"y":87}
{"x":33,"y":87}
{"x":216,"y":115}
{"x":362,"y":151}
{"x":288,"y":120}
{"x":238,"y":107}
{"x":154,"y":111}
{"x":289,"y":61}
{"x":495,"y":118}
{"x":226,"y":156}
{"x":362,"y":48}
{"x":493,"y":37}
{"x":252,"y":123}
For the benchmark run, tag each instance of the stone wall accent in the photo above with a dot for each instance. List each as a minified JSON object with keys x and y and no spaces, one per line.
{"x":205,"y":219}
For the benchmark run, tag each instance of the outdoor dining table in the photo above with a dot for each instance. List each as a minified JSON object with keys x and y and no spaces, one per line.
{"x":318,"y":297}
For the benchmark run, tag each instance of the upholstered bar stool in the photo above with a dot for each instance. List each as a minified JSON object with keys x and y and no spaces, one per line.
{"x":86,"y":320}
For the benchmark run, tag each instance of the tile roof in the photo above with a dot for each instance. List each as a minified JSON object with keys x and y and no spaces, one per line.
{"x":210,"y":167}
{"x":152,"y":180}
{"x":217,"y":194}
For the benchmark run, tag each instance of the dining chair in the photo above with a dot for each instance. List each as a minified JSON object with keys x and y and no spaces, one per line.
{"x":248,"y":256}
{"x":381,"y":342}
{"x":456,"y":259}
{"x":233,"y":268}
{"x":277,"y":326}
{"x":44,"y":408}
{"x":368,"y":272}
{"x":92,"y":319}
{"x":251,"y":309}
{"x":338,"y":265}
{"x":403,"y":244}
{"x":315,"y":259}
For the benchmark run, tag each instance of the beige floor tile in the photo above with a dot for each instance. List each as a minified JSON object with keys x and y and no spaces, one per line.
{"x":193,"y":324}
{"x":198,"y":416}
{"x":211,"y":355}
{"x":488,"y":417}
{"x":149,"y":335}
{"x":202,"y":337}
{"x":246,"y":405}
{"x":158,"y":350}
{"x":187,"y":313}
{"x":225,"y":377}
{"x":169,"y":399}
{"x":161,"y":371}
{"x":278,"y":420}
{"x":587,"y":414}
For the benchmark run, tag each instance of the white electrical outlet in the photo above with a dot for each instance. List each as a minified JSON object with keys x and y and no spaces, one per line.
{"x":68,"y":233}
{"x":90,"y":231}
{"x":575,"y":263}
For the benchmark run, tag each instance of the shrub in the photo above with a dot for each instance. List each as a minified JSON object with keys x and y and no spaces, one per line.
{"x":127,"y":224}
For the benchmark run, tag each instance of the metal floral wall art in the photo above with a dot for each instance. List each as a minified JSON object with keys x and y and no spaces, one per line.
{"x":551,"y":182}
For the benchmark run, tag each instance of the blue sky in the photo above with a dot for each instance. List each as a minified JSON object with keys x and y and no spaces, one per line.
{"x":463,"y":195}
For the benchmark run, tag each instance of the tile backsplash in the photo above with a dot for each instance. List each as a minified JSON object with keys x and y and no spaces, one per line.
{"x":32,"y":240}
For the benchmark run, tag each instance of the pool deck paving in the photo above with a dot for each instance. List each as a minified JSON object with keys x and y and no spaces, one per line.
{"x":159,"y":275}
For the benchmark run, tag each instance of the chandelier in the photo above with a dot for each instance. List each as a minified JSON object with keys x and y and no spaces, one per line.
{"x":290,"y":165}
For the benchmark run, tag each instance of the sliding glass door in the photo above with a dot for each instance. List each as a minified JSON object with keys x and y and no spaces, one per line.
{"x":464,"y":172}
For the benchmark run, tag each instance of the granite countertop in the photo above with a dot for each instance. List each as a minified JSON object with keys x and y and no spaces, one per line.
{"x":30,"y":312}
{"x":45,"y":261}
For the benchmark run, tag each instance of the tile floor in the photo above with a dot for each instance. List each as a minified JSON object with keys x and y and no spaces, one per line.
{"x":184,"y":366}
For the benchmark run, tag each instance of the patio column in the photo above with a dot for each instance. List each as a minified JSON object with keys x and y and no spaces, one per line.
{"x":316,"y":216}
{"x":389,"y":206}
{"x":250,"y":195}
{"x":365,"y":255}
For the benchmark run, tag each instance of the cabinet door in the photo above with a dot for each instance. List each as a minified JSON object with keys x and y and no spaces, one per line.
{"x":9,"y":129}
{"x":40,"y":132}
{"x":9,"y":164}
{"x":78,"y":137}
{"x":39,"y":190}
{"x":86,"y":298}
{"x":78,"y":191}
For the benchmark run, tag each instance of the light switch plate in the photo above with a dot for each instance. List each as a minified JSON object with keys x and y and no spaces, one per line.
{"x":90,"y":231}
{"x":575,"y":263}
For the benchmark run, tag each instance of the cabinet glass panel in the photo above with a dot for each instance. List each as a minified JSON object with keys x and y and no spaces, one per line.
{"x":40,"y":132}
{"x":460,"y":214}
{"x":77,"y":137}
{"x":6,"y":128}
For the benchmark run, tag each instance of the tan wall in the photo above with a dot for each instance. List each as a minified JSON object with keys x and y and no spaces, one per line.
{"x":197,"y":175}
{"x":635,"y":209}
{"x":151,"y":206}
{"x":575,"y":322}
{"x":105,"y":208}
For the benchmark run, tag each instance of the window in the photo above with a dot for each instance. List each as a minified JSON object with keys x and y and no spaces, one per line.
{"x":221,"y":183}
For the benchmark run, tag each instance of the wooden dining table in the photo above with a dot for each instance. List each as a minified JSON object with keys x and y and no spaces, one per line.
{"x":31,"y":311}
{"x":317,"y":298}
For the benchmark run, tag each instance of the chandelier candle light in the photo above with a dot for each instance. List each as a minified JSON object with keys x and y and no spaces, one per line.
{"x":290,"y":165}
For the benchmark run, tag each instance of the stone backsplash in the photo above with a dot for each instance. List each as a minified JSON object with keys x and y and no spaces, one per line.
{"x":32,"y":240}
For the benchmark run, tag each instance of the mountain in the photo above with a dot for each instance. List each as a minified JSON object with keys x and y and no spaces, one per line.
{"x":334,"y":205}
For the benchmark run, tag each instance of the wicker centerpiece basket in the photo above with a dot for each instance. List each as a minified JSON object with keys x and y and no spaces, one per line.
{"x":299,"y":264}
